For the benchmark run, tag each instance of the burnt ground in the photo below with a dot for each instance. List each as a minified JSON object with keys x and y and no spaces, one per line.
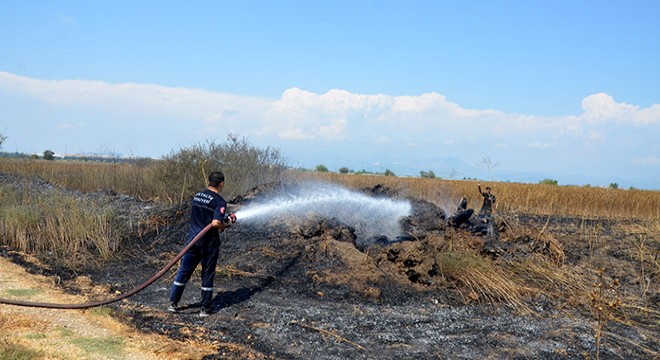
{"x":299,"y":287}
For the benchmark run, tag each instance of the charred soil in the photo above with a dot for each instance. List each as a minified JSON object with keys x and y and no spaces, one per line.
{"x":300,"y":288}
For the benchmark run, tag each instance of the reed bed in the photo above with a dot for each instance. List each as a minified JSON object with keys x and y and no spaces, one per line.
{"x":57,"y":228}
{"x":534,"y":199}
{"x":141,"y":179}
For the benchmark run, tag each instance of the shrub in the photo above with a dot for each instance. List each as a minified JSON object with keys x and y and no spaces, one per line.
{"x":614,"y":185}
{"x":427,"y":174}
{"x":548,"y":182}
{"x":49,"y":155}
{"x":321,"y":168}
{"x":343,"y":170}
{"x":388,"y":172}
{"x":245,"y":166}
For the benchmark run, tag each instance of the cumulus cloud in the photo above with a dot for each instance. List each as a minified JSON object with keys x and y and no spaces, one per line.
{"x":305,"y":114}
{"x":337,"y":115}
{"x":602,"y":107}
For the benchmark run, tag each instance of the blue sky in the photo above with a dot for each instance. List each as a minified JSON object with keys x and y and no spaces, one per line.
{"x":565,"y":89}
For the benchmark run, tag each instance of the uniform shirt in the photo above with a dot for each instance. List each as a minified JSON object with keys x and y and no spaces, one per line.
{"x":206,"y":207}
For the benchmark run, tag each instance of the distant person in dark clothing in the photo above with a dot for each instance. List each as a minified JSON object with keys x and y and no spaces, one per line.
{"x":462,"y":205}
{"x":462,"y":215}
{"x":208,"y":207}
{"x":489,"y":204}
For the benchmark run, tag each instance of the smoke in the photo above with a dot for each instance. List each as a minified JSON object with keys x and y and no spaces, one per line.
{"x":370,"y":216}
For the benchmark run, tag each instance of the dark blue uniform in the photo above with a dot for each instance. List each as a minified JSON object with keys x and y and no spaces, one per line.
{"x":206,"y":206}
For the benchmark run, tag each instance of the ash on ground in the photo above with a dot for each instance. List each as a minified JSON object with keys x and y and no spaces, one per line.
{"x":307,"y":288}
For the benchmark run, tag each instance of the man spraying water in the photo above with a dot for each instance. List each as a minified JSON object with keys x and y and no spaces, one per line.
{"x":207,"y":207}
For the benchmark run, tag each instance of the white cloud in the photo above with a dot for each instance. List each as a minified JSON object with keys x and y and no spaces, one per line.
{"x":413,"y":124}
{"x":303,"y":114}
{"x":131,"y":97}
{"x":602,"y":107}
{"x":336,"y":114}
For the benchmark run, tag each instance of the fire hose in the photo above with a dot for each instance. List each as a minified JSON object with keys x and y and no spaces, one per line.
{"x":118,"y":298}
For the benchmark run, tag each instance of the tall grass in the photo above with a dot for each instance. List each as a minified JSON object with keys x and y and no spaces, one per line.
{"x":172,"y":180}
{"x":536,"y":199}
{"x":485,"y":281}
{"x":182,"y":173}
{"x":87,"y":176}
{"x":56,"y":227}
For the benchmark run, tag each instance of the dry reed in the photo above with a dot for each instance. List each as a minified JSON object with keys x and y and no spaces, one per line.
{"x":56,"y":227}
{"x":139,"y":179}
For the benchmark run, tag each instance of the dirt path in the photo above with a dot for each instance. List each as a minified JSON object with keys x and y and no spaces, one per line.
{"x":72,"y":334}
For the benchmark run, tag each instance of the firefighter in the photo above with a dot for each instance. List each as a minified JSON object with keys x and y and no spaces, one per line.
{"x":207,"y":207}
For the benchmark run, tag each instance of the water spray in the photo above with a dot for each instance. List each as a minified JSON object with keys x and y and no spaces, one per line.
{"x":370,"y":216}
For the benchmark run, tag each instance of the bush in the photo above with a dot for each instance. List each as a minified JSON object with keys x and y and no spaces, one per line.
{"x":427,"y":174}
{"x":614,"y":185}
{"x":181,"y":174}
{"x":49,"y":155}
{"x":548,"y":182}
{"x":388,"y":172}
{"x":322,"y":168}
{"x":344,"y":170}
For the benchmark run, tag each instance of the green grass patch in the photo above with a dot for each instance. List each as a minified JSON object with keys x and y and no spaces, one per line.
{"x":10,"y":351}
{"x":64,"y":332}
{"x":102,"y":311}
{"x":35,"y":336}
{"x":22,"y":292}
{"x":108,"y":347}
{"x":459,"y":262}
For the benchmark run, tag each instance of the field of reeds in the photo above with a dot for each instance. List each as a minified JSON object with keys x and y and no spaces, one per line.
{"x":56,"y":226}
{"x":535,"y":199}
{"x":150,"y":180}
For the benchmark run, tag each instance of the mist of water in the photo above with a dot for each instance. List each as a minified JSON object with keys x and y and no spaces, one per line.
{"x":370,"y":216}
